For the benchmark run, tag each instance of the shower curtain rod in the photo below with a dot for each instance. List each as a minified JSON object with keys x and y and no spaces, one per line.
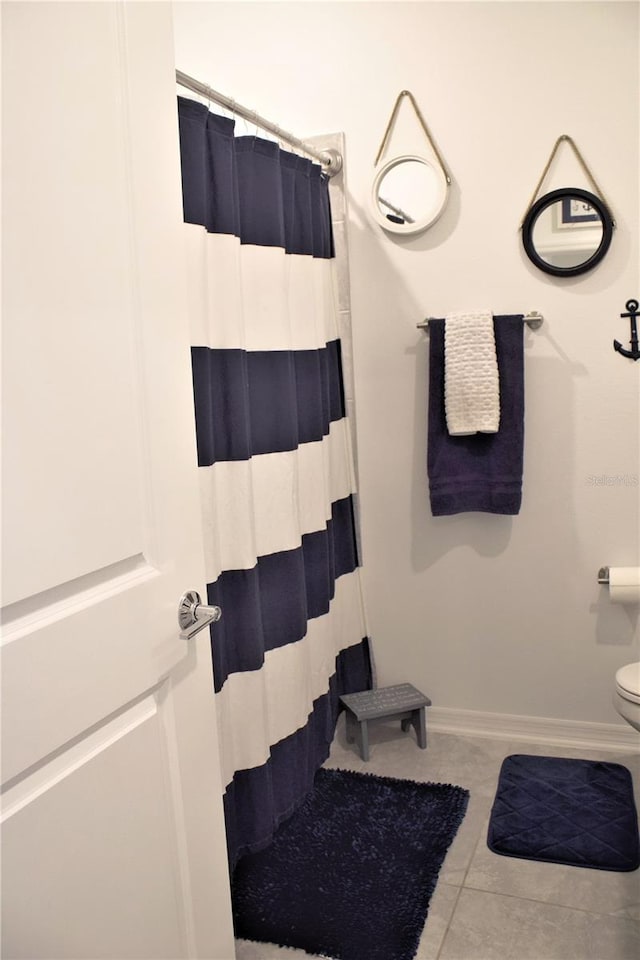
{"x":330,"y":159}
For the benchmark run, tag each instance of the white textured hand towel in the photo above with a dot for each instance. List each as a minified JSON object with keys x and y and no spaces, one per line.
{"x":471,"y":381}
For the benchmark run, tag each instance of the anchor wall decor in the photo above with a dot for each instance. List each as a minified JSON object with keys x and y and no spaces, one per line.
{"x":632,"y":313}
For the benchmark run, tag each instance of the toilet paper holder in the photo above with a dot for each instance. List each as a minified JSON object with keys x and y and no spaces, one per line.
{"x":621,"y":583}
{"x":603,"y":575}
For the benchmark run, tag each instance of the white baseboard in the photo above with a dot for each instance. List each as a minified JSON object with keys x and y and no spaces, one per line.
{"x":505,"y":726}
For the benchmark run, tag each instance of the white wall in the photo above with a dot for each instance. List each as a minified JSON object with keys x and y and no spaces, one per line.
{"x":481,"y":612}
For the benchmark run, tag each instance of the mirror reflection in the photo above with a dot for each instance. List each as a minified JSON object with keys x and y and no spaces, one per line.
{"x":567,"y":232}
{"x":409,"y":194}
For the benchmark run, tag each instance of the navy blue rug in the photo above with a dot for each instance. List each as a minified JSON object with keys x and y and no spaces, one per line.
{"x":351,"y":873}
{"x":577,"y":812}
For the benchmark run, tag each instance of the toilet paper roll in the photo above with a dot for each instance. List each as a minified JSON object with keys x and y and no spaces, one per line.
{"x":624,"y":584}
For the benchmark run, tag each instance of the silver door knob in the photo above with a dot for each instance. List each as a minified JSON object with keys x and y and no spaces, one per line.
{"x":193,"y":615}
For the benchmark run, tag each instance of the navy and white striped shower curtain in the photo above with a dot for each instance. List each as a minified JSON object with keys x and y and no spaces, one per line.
{"x":275,"y":462}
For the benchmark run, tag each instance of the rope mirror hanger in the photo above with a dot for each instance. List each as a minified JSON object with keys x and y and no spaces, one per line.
{"x":567,"y":231}
{"x":409,"y":191}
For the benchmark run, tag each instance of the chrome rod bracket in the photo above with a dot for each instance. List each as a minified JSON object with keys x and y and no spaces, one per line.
{"x":331,"y":161}
{"x":534,"y":320}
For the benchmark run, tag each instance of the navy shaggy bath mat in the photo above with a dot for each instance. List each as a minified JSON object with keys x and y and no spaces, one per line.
{"x":351,"y":873}
{"x":578,"y":812}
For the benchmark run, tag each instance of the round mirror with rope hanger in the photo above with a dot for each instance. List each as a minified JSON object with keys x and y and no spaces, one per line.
{"x":409,"y":191}
{"x":568,"y":231}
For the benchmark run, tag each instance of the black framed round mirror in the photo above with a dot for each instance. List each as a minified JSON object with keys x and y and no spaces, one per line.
{"x":567,"y":232}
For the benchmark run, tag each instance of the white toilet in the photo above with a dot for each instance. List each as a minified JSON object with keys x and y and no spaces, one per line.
{"x":626,"y":698}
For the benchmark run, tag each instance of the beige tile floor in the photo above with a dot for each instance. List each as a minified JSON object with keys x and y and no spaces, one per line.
{"x":488,"y":907}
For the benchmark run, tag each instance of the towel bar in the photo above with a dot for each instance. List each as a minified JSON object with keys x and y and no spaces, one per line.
{"x":532,"y":319}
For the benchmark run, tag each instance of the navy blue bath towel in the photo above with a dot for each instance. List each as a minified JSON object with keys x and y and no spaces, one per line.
{"x":481,"y":472}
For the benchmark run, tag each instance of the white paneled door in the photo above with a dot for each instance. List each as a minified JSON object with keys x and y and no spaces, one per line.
{"x":113,"y":840}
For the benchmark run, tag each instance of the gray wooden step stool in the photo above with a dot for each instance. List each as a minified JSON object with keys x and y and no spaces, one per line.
{"x":402,"y":702}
